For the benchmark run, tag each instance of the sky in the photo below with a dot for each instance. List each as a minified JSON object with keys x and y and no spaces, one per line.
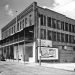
{"x":8,"y":8}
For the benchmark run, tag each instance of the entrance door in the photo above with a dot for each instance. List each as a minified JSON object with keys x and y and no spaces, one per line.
{"x":28,"y":52}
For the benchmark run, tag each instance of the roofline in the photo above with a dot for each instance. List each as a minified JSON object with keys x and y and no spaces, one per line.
{"x":56,"y":12}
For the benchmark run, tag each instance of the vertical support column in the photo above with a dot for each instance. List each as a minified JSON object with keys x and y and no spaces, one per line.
{"x":13,"y":52}
{"x":18,"y":52}
{"x":13,"y":49}
{"x":46,"y":29}
{"x":39,"y":43}
{"x":6,"y":53}
{"x":35,"y":12}
{"x":24,"y":48}
{"x":3,"y":51}
{"x":18,"y":47}
{"x":9,"y":52}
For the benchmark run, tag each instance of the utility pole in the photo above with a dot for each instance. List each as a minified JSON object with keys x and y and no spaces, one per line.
{"x":39,"y":43}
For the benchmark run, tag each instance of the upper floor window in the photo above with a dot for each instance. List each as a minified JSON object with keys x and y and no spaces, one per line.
{"x":9,"y":31}
{"x":69,"y":27}
{"x":41,"y":19}
{"x":18,"y":27}
{"x":30,"y":20}
{"x":58,"y":24}
{"x":66,"y":26}
{"x":44,"y":20}
{"x":49,"y":21}
{"x":25,"y":22}
{"x":62,"y":25}
{"x":43,"y":34}
{"x":54,"y":23}
{"x":62,"y":37}
{"x":66,"y":38}
{"x":54,"y":36}
{"x":58,"y":36}
{"x":49,"y":35}
{"x":14,"y":29}
{"x":72,"y":28}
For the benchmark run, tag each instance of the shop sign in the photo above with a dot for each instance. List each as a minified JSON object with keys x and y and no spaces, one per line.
{"x":48,"y":53}
{"x":44,"y":43}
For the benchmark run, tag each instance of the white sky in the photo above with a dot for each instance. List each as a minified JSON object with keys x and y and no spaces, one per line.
{"x":8,"y":8}
{"x":66,"y":7}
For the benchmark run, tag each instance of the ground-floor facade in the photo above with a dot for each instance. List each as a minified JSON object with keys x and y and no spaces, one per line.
{"x":23,"y":52}
{"x":29,"y":52}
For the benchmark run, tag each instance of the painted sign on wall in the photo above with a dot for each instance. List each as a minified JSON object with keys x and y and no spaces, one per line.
{"x":48,"y":53}
{"x":45,"y":43}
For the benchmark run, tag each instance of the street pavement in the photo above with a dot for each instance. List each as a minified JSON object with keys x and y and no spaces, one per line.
{"x":17,"y":68}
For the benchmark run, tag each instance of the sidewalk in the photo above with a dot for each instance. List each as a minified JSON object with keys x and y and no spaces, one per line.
{"x":64,"y":66}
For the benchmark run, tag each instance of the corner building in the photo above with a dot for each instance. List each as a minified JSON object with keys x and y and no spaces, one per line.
{"x":39,"y":30}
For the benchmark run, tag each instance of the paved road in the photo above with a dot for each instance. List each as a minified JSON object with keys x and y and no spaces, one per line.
{"x":10,"y":68}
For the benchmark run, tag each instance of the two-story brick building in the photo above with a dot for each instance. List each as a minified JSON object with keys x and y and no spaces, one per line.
{"x":35,"y":27}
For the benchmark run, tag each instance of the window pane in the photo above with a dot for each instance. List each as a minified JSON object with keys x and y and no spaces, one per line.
{"x":43,"y":34}
{"x":54,"y":36}
{"x":14,"y":29}
{"x":49,"y":35}
{"x":66,"y":38}
{"x":30,"y":20}
{"x":25,"y":22}
{"x":66,"y":26}
{"x":54,"y":23}
{"x":58,"y":36}
{"x":49,"y":21}
{"x":58,"y":24}
{"x":62,"y":25}
{"x":62,"y":37}
{"x":72,"y":28}
{"x":69,"y":27}
{"x":41,"y":18}
{"x":44,"y":20}
{"x":18,"y":27}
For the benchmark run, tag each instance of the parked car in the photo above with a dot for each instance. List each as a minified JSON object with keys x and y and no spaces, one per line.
{"x":2,"y":58}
